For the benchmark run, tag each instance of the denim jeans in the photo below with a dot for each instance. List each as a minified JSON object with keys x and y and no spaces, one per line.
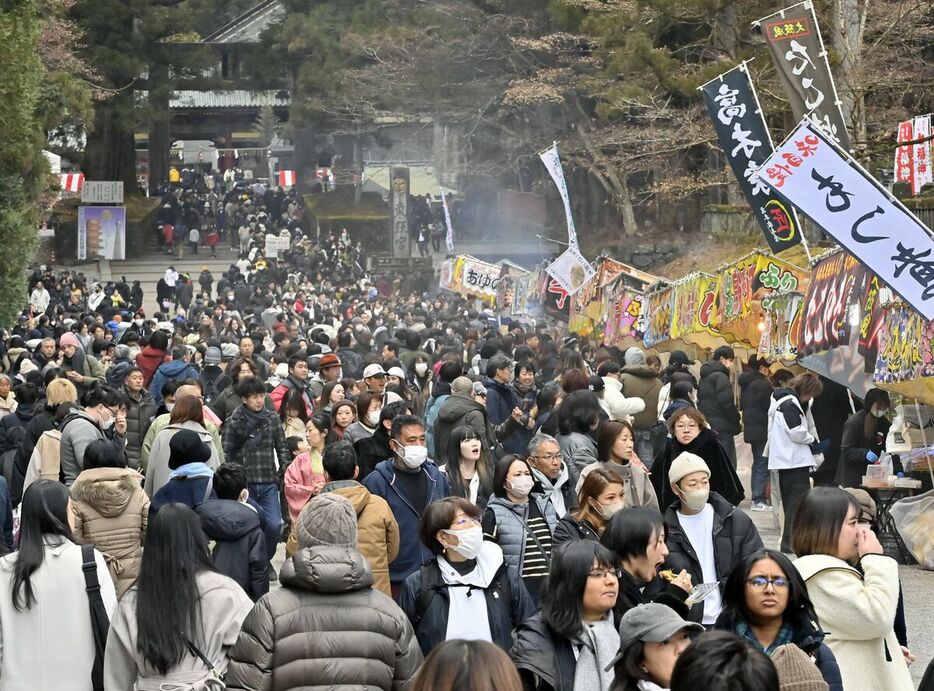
{"x":266,"y":494}
{"x":760,"y":472}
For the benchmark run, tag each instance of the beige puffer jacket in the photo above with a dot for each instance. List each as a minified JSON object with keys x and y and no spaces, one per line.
{"x":111,"y":510}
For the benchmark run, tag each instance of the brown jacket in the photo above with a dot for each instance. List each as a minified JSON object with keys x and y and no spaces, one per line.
{"x":377,"y":530}
{"x":111,"y":510}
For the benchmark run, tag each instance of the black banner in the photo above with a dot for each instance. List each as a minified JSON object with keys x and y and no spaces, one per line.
{"x":744,"y":138}
{"x":794,"y":41}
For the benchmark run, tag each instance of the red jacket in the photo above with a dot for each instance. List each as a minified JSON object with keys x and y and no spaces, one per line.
{"x":149,"y":360}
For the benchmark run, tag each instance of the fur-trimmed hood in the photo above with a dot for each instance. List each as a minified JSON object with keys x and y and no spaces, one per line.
{"x":107,"y":490}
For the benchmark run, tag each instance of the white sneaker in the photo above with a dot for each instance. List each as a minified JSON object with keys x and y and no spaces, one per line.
{"x":761,"y":506}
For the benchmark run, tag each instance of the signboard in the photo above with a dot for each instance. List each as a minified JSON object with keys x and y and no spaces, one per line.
{"x":479,"y":278}
{"x":383,"y":264}
{"x":905,"y":348}
{"x":794,"y":41}
{"x":835,"y":287}
{"x":904,"y":170}
{"x":401,"y":240}
{"x":102,"y":192}
{"x":276,"y":244}
{"x":741,"y":130}
{"x":656,"y":316}
{"x":102,"y":232}
{"x":807,"y":170}
{"x":921,"y":155}
{"x":571,"y":270}
{"x":693,"y":305}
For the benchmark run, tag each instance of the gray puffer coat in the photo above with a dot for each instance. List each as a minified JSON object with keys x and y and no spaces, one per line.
{"x":325,"y":628}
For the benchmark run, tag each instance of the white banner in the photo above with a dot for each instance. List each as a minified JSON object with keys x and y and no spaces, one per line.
{"x":479,"y":278}
{"x":571,"y":270}
{"x":552,"y":162}
{"x":102,"y":192}
{"x":449,"y":236}
{"x":922,"y":154}
{"x":836,"y":193}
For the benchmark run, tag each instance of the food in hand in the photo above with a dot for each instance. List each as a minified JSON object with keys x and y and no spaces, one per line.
{"x":668,"y":575}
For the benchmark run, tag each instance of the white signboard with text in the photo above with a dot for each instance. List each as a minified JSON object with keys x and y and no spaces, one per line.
{"x":101,"y":192}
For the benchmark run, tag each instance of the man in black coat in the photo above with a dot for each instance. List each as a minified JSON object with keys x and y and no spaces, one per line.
{"x":755,"y":395}
{"x":715,"y":399}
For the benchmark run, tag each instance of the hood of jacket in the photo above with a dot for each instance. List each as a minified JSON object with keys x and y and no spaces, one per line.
{"x":357,"y":494}
{"x":174,"y":368}
{"x":150,"y":353}
{"x":193,"y":427}
{"x":456,"y":407}
{"x":642,"y":371}
{"x":713,"y":366}
{"x":748,"y":377}
{"x":227,"y":519}
{"x":440,"y":388}
{"x":813,"y":564}
{"x":107,"y":490}
{"x":779,"y":396}
{"x":327,"y":569}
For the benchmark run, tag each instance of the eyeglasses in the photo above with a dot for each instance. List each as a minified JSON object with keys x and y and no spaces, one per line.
{"x":686,"y":426}
{"x":548,"y":457}
{"x":760,"y":582}
{"x":465,"y":522}
{"x":603,"y":573}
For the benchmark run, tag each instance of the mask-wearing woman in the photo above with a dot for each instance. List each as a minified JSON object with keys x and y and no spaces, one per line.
{"x":766,"y":603}
{"x":368,"y":409}
{"x":571,"y":643}
{"x":520,"y":521}
{"x":854,"y":588}
{"x":601,"y":496}
{"x":651,"y":639}
{"x":468,"y":591}
{"x":864,"y":438}
{"x":616,"y":451}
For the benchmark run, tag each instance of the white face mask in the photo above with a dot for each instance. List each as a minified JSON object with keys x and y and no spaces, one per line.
{"x":521,"y":486}
{"x":695,"y":499}
{"x":414,"y":456}
{"x":421,"y":368}
{"x":107,"y":424}
{"x":169,"y":406}
{"x":607,"y":511}
{"x":469,"y":541}
{"x":373,"y":418}
{"x":878,"y":413}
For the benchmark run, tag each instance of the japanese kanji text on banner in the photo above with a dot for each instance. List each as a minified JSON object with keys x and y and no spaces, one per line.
{"x":794,"y":41}
{"x":823,"y":183}
{"x":744,"y":138}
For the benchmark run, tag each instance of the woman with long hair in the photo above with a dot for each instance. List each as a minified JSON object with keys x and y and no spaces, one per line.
{"x":467,"y":666}
{"x":463,"y":462}
{"x":600,"y":497}
{"x":293,"y":413}
{"x":179,"y":621}
{"x":304,"y":477}
{"x":45,"y":619}
{"x":854,"y":588}
{"x":343,"y":415}
{"x":793,"y":445}
{"x":332,"y":393}
{"x":520,"y":521}
{"x":691,"y":432}
{"x":863,"y":438}
{"x":468,"y":590}
{"x":229,"y":400}
{"x":572,"y":641}
{"x":616,"y":444}
{"x":188,"y":414}
{"x":766,"y":603}
{"x":111,"y":510}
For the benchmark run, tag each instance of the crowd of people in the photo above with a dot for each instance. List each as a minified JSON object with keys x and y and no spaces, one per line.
{"x":464,"y":503}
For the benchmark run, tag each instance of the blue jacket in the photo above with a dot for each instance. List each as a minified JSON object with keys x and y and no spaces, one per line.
{"x":412,"y":552}
{"x":179,"y":370}
{"x":500,"y":401}
{"x":181,"y":490}
{"x":239,"y":544}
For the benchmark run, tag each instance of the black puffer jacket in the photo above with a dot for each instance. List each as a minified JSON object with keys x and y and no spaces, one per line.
{"x":715,"y":398}
{"x":734,"y":538}
{"x":545,"y":659}
{"x":569,"y":529}
{"x":325,"y":628}
{"x":140,"y":413}
{"x":240,"y":548}
{"x":755,"y":394}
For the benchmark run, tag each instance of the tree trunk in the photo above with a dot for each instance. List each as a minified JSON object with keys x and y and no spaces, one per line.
{"x":110,"y":153}
{"x":849,"y":25}
{"x":160,"y":134}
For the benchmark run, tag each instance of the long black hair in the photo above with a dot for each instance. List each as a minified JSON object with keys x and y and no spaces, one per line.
{"x":563,"y":591}
{"x":580,"y":412}
{"x":799,"y":613}
{"x":168,"y":610}
{"x":44,"y":513}
{"x":452,"y":461}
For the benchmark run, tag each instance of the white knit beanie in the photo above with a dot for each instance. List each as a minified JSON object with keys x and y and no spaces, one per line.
{"x":685,"y":464}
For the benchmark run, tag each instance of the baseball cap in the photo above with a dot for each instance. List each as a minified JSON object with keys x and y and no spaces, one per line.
{"x":652,"y":623}
{"x":374,"y":370}
{"x":396,"y":372}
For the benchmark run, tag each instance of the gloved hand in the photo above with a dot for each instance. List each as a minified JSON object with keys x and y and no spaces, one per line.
{"x":820,"y":446}
{"x":871,"y":457}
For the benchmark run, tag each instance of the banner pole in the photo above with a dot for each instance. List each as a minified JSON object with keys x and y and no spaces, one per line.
{"x":780,"y":13}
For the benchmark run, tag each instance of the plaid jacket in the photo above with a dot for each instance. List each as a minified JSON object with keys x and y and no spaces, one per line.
{"x":257,"y":448}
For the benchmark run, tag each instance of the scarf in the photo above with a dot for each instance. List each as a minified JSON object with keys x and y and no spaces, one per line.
{"x":596,"y":646}
{"x":744,"y":631}
{"x":196,"y":469}
{"x":553,"y":492}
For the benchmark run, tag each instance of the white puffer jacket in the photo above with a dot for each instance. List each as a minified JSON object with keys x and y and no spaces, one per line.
{"x":791,"y":433}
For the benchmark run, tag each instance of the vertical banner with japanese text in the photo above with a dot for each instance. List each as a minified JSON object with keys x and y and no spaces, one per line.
{"x":904,"y":170}
{"x":921,"y":159}
{"x":449,"y":235}
{"x":794,"y":41}
{"x":744,"y":137}
{"x":824,"y":183}
{"x":552,"y":161}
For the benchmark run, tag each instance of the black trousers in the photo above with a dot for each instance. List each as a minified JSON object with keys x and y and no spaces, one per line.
{"x":793,"y":483}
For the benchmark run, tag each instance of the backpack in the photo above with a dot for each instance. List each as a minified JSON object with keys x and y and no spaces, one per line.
{"x":45,"y":463}
{"x":214,"y":386}
{"x":431,"y":583}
